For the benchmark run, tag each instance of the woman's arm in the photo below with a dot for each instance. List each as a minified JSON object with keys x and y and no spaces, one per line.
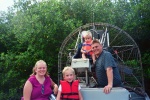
{"x":27,"y":90}
{"x":54,"y":86}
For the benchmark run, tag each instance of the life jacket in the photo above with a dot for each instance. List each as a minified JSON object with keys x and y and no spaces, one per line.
{"x":69,"y":91}
{"x":86,"y":47}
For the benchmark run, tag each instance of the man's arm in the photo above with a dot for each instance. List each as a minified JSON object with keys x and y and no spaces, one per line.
{"x":109,"y":72}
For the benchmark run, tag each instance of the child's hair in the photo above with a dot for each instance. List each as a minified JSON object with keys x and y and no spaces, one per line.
{"x":68,"y":68}
{"x":86,"y":33}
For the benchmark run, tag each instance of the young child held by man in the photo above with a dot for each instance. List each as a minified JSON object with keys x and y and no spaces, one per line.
{"x":86,"y":49}
{"x":69,"y":88}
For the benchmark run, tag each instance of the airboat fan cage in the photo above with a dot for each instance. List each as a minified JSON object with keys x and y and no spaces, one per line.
{"x":121,"y":45}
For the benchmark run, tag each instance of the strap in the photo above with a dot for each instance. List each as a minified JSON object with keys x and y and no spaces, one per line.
{"x":68,"y":99}
{"x":86,"y":44}
{"x":70,"y":93}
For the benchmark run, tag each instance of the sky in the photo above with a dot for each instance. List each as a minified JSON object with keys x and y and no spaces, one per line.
{"x":4,"y":4}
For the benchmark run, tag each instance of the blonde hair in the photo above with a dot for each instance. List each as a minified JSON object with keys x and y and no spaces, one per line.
{"x":68,"y":68}
{"x":36,"y":65}
{"x":86,"y":33}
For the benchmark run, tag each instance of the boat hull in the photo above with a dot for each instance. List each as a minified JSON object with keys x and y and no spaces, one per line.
{"x":117,"y":93}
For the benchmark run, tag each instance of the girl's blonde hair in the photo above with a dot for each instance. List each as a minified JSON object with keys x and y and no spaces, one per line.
{"x":86,"y":33}
{"x":68,"y":68}
{"x":36,"y":65}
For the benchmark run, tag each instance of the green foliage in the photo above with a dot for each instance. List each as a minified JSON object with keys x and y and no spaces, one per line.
{"x":132,"y":63}
{"x":146,"y":64}
{"x":105,"y":11}
{"x":138,"y":17}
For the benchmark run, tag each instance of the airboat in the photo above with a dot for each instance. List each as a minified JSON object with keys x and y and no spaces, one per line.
{"x":124,"y":50}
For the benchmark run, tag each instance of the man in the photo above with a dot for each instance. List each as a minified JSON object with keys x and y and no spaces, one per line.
{"x":106,"y":68}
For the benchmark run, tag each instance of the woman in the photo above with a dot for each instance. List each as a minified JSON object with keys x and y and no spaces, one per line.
{"x":39,"y":85}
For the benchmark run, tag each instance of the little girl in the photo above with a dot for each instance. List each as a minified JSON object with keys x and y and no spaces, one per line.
{"x":86,"y":47}
{"x":69,"y":88}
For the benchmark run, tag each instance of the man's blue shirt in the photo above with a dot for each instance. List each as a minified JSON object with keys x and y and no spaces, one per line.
{"x":104,"y":61}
